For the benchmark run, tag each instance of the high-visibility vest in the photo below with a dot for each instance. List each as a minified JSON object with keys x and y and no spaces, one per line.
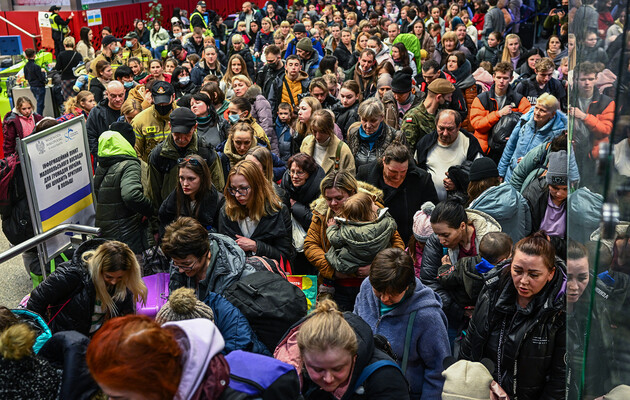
{"x":200,"y":16}
{"x":55,"y":26}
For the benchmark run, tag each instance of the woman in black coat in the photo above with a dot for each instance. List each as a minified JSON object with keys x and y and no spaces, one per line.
{"x":520,"y":321}
{"x":301,"y":182}
{"x":254,"y":216}
{"x":345,"y":50}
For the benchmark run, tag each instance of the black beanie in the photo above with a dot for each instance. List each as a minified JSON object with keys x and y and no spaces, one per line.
{"x":483,"y":168}
{"x":401,"y":82}
{"x":125,"y":130}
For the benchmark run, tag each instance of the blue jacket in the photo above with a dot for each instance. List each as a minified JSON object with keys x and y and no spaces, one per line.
{"x":429,"y":340}
{"x":291,"y":47}
{"x":283,"y":132}
{"x":233,"y":326}
{"x":508,"y":207}
{"x":525,"y":137}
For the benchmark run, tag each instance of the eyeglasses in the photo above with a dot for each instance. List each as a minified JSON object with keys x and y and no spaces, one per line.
{"x":299,"y":174}
{"x":189,"y":267}
{"x":189,"y":160}
{"x":242,"y":191}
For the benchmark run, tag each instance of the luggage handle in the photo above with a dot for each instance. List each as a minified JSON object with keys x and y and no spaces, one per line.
{"x":249,"y":289}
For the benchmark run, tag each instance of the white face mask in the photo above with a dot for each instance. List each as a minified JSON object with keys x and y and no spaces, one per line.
{"x":177,"y":34}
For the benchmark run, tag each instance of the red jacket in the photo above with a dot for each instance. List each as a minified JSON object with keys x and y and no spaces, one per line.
{"x":12,"y":129}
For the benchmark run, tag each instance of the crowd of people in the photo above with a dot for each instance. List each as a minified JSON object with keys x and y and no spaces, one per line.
{"x":414,"y":156}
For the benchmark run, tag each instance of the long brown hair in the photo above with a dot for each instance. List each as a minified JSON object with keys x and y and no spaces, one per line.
{"x":263,"y":201}
{"x":199,"y":167}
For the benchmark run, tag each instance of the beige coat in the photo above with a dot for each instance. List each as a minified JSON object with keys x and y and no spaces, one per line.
{"x":346,"y":159}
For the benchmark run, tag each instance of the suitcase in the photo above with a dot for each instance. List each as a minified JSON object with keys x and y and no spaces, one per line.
{"x":157,"y":286}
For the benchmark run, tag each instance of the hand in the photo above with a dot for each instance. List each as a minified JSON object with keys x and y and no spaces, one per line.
{"x":577,"y":113}
{"x":505,"y":111}
{"x":71,"y":15}
{"x":468,"y":312}
{"x":448,"y":184}
{"x":363,"y":271}
{"x":246,"y":243}
{"x":446,"y":260}
{"x":257,"y":54}
{"x":331,"y":222}
{"x":292,"y":202}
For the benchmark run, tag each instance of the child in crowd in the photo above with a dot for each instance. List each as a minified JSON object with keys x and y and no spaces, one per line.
{"x":464,"y":280}
{"x":359,"y":234}
{"x":284,"y":120}
{"x":421,"y":231}
{"x":36,"y":78}
{"x":491,"y":49}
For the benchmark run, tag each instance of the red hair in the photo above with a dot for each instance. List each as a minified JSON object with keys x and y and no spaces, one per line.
{"x":134,"y":353}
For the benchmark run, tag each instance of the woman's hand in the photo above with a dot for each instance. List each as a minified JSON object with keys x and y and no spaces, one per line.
{"x":246,"y":244}
{"x":292,"y":202}
{"x":446,"y":260}
{"x":331,"y":222}
{"x":363,"y":271}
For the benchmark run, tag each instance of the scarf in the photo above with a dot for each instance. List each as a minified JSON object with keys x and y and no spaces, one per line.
{"x":370,"y":139}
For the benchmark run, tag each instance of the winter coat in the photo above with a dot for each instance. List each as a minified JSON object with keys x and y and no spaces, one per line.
{"x":432,"y":260}
{"x":363,"y":153}
{"x":404,"y":201}
{"x":462,"y":280}
{"x":247,"y":56}
{"x":192,"y":47}
{"x":261,"y":112}
{"x":151,"y":128}
{"x":311,"y":64}
{"x":508,"y":207}
{"x":34,"y":74}
{"x":292,"y":47}
{"x":599,"y":120}
{"x":278,"y":87}
{"x":120,"y":201}
{"x":12,"y":130}
{"x":213,"y":131}
{"x":385,"y":383}
{"x":97,"y":88}
{"x":30,"y":377}
{"x":234,"y":327}
{"x":71,"y":284}
{"x":417,"y":124}
{"x":429,"y":340}
{"x":200,"y":71}
{"x":525,"y":137}
{"x":98,"y":122}
{"x":367,"y":84}
{"x":163,"y":162}
{"x":465,"y":82}
{"x":490,"y":54}
{"x":266,"y":77}
{"x":303,"y":196}
{"x":272,"y":235}
{"x":159,"y":38}
{"x":493,"y":22}
{"x":530,"y":89}
{"x":391,"y":107}
{"x":316,"y":243}
{"x":227,"y":264}
{"x":346,"y":116}
{"x":413,"y":46}
{"x":346,"y":159}
{"x":345,"y":57}
{"x":262,"y":39}
{"x":532,"y":340}
{"x":285,"y":140}
{"x":355,"y":244}
{"x":484,"y":112}
{"x":208,"y":215}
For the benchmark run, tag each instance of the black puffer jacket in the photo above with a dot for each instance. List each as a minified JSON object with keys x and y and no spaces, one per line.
{"x":71,"y":281}
{"x":361,"y":149}
{"x":98,"y":122}
{"x":346,"y":116}
{"x":303,"y":196}
{"x":208,"y":214}
{"x":533,"y":340}
{"x":272,"y":235}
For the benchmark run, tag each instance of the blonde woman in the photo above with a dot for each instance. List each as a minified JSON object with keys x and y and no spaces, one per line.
{"x":102,"y":281}
{"x":236,"y":66}
{"x":512,"y":49}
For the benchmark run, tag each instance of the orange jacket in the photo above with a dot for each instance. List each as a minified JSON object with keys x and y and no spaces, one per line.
{"x":600,"y":123}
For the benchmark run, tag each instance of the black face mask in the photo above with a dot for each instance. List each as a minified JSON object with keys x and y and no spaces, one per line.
{"x":164,"y":109}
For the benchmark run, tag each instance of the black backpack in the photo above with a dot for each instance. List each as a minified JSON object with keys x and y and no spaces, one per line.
{"x":270,"y":303}
{"x":501,"y":132}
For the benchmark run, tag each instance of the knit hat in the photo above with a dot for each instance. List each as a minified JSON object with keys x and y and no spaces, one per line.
{"x":126,"y":130}
{"x":299,"y":27}
{"x":305,"y":44}
{"x":620,"y":392}
{"x":466,"y":380}
{"x":384,"y":80}
{"x":557,"y":168}
{"x":441,"y":86}
{"x":401,"y":82}
{"x":181,"y":305}
{"x":483,"y":168}
{"x":422,"y":222}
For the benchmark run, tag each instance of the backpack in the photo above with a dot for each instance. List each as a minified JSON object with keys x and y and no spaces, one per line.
{"x":8,"y":166}
{"x":261,"y":263}
{"x":501,"y":132}
{"x":262,"y":377}
{"x":270,"y":303}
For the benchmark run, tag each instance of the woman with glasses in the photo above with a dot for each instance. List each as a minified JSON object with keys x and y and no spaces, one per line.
{"x":194,"y":196}
{"x":254,"y":216}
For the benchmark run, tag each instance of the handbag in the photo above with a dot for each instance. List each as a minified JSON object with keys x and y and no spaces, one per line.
{"x":299,"y":234}
{"x":154,"y":261}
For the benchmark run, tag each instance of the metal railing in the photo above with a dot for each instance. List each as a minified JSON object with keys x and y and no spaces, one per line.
{"x":22,"y":30}
{"x":42,"y":237}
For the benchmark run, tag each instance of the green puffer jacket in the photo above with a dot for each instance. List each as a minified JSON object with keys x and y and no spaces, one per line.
{"x":355,"y":244}
{"x":120,"y":202}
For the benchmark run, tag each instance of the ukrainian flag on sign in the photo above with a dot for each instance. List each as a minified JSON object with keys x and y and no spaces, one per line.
{"x":66,"y":208}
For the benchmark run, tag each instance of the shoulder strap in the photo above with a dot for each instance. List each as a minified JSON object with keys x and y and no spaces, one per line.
{"x":338,"y":156}
{"x":286,"y":85}
{"x":405,"y":359}
{"x":369,"y":370}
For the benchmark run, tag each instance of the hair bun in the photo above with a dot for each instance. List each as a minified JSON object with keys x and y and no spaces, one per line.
{"x":16,"y":342}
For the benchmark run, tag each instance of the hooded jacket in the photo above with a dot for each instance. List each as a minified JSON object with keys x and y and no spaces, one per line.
{"x":526,"y":136}
{"x":490,"y":54}
{"x":72,"y":282}
{"x":355,"y":244}
{"x":432,"y":260}
{"x":99,"y":120}
{"x":311,"y":64}
{"x":532,"y":361}
{"x":227,"y":264}
{"x":346,"y":116}
{"x":346,"y":159}
{"x":385,"y":383}
{"x":344,"y":56}
{"x":367,"y":84}
{"x":429,"y":344}
{"x":391,"y":107}
{"x":12,"y":130}
{"x":120,"y":201}
{"x":529,"y":88}
{"x":201,"y":70}
{"x":508,"y":207}
{"x":278,"y":87}
{"x":303,"y":195}
{"x":151,"y":128}
{"x":261,"y":112}
{"x":465,"y":81}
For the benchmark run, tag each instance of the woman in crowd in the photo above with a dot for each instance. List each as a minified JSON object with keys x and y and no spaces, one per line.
{"x":254,"y":216}
{"x":18,"y":124}
{"x":426,"y":41}
{"x":393,"y":301}
{"x":448,"y":46}
{"x":104,"y":75}
{"x":101,"y":282}
{"x":542,"y":123}
{"x":239,"y":110}
{"x":84,"y":47}
{"x":513,"y":50}
{"x":66,"y":61}
{"x":129,"y":109}
{"x":210,"y":127}
{"x":156,"y":71}
{"x":216,"y":95}
{"x":346,"y":113}
{"x":144,"y":37}
{"x":81,"y":104}
{"x":519,"y":320}
{"x":555,"y":50}
{"x":492,"y":49}
{"x":328,"y":151}
{"x":120,"y":202}
{"x":261,"y":109}
{"x":308,"y":105}
{"x":471,"y":31}
{"x":344,"y":51}
{"x":235,"y":66}
{"x":457,"y":232}
{"x":182,"y":83}
{"x":590,"y":51}
{"x":240,"y":140}
{"x":401,"y":58}
{"x":361,"y":44}
{"x":526,"y":70}
{"x":264,"y":37}
{"x":194,"y":196}
{"x":369,"y":138}
{"x":158,"y":39}
{"x":264,"y":159}
{"x":460,"y":69}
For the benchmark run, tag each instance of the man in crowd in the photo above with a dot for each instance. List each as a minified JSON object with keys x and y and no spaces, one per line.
{"x":248,"y":15}
{"x":393,"y":30}
{"x":110,"y":53}
{"x":153,"y":124}
{"x":287,"y":87}
{"x":299,"y":30}
{"x":400,"y":99}
{"x":36,"y":78}
{"x":543,"y":82}
{"x":365,"y":74}
{"x":194,"y":44}
{"x":420,"y":121}
{"x":197,"y":18}
{"x":431,"y":71}
{"x":273,"y":68}
{"x":493,"y":21}
{"x":104,"y":114}
{"x":133,"y":49}
{"x":308,"y":57}
{"x":124,"y":75}
{"x":200,"y":70}
{"x":446,"y":147}
{"x":59,"y":28}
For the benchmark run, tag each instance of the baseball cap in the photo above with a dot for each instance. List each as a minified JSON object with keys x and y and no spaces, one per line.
{"x":54,"y":8}
{"x":201,"y":3}
{"x":109,"y":39}
{"x":162,"y":92}
{"x":182,"y":120}
{"x":441,"y":86}
{"x":299,"y":27}
{"x":131,"y":35}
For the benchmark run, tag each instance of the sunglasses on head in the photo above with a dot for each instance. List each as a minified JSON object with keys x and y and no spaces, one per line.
{"x":188,"y":160}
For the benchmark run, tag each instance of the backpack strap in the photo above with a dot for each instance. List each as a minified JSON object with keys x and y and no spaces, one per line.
{"x":286,"y":85}
{"x":369,"y":370}
{"x":338,"y":155}
{"x":405,"y":359}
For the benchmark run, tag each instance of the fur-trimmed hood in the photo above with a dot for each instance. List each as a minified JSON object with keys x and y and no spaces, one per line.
{"x":319,"y":205}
